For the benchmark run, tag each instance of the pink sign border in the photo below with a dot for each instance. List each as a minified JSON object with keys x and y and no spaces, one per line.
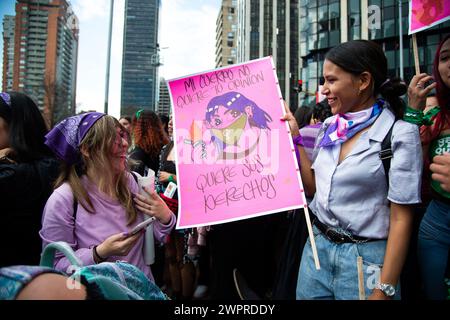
{"x":175,"y":139}
{"x":410,"y":31}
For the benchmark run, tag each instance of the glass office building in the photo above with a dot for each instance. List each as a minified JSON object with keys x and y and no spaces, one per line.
{"x":270,"y":27}
{"x":326,"y":23}
{"x":140,"y":61}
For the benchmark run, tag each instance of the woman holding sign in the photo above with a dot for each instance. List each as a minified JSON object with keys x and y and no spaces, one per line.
{"x":92,"y":208}
{"x":434,"y":232}
{"x":363,"y":219}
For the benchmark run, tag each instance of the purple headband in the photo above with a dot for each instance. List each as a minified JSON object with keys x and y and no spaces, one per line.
{"x":65,"y":138}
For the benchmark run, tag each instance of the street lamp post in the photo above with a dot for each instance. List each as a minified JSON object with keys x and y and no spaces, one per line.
{"x":108,"y":56}
{"x":156,"y":62}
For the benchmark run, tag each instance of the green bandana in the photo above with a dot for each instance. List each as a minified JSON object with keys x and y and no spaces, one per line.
{"x":231,"y":134}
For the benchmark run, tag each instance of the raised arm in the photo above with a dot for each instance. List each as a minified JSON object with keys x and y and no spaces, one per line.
{"x":305,"y":164}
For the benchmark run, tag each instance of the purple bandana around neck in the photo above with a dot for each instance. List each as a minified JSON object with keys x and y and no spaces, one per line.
{"x":342,"y":127}
{"x":65,"y":138}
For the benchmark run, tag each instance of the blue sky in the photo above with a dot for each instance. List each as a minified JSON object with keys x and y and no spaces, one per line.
{"x":187,"y":30}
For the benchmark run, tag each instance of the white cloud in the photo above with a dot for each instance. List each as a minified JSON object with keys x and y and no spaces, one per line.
{"x":90,"y":9}
{"x":189,"y":32}
{"x":116,"y":59}
{"x":92,"y":54}
{"x":117,"y":41}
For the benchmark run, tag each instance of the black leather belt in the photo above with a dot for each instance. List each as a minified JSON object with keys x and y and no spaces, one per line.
{"x":336,"y":236}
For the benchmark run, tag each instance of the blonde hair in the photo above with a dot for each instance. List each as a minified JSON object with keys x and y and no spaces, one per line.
{"x":98,"y":144}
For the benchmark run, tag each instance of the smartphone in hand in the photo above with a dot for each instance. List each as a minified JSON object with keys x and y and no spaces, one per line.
{"x":141,"y":226}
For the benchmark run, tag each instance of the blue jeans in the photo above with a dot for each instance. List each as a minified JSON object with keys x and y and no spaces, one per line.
{"x":433,"y":246}
{"x":338,"y":275}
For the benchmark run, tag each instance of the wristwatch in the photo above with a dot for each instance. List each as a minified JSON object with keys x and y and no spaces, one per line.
{"x":386,"y":288}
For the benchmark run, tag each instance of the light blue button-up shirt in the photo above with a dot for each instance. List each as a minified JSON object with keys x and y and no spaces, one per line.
{"x":353,"y":195}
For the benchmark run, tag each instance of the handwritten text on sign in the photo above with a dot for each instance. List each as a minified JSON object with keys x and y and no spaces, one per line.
{"x":201,"y":88}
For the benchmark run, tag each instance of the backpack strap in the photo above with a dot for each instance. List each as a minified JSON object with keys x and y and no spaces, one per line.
{"x":48,"y":254}
{"x":386,"y":153}
{"x":75,"y":207}
{"x":134,"y":176}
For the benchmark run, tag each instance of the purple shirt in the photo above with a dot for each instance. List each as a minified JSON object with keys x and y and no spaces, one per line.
{"x":92,"y":229}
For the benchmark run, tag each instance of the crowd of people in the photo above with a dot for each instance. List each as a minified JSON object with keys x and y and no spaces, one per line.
{"x":375,"y":169}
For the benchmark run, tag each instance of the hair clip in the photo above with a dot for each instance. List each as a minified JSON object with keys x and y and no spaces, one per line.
{"x":385,"y":83}
{"x":138,"y":113}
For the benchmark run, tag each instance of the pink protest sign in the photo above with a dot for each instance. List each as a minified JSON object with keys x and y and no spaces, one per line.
{"x":235,"y":157}
{"x":424,"y":14}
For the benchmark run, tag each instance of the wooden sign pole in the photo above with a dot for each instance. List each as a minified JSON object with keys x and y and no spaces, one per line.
{"x":359,"y":265}
{"x":416,"y":54}
{"x":311,"y":238}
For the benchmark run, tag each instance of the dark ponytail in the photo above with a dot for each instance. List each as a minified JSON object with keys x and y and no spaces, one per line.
{"x":358,"y":56}
{"x":391,"y":91}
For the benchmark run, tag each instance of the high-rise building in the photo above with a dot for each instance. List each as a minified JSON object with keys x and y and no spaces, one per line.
{"x":8,"y":52}
{"x":326,"y":23}
{"x":45,"y":55}
{"x":140,"y":56}
{"x":164,"y":98}
{"x":226,"y":33}
{"x":270,"y":27}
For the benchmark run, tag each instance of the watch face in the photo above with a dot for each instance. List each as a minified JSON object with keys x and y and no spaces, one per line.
{"x":389,"y":290}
